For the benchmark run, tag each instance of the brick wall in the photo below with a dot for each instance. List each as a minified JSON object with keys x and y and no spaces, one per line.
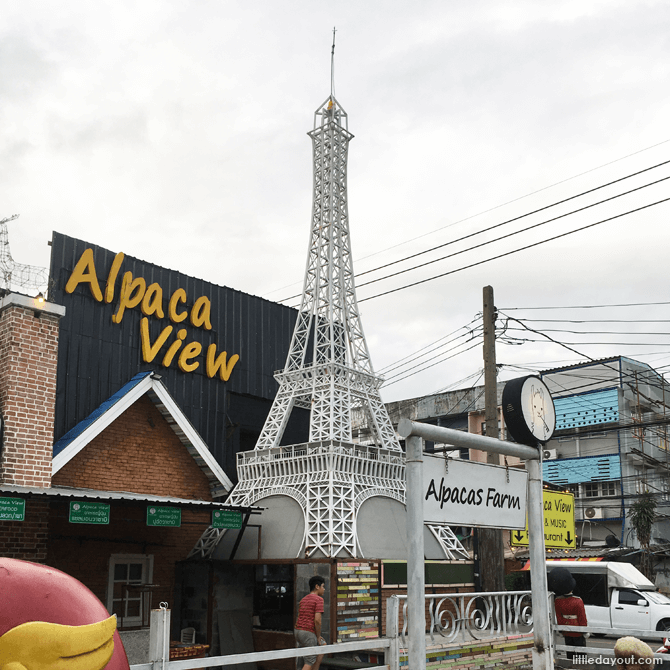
{"x":138,"y":452}
{"x":28,"y":360}
{"x":26,"y":539}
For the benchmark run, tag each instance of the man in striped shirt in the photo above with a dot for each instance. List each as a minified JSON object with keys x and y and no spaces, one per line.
{"x":308,"y":625}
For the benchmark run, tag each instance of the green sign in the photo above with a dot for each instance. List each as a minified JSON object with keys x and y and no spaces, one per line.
{"x":163,"y":516}
{"x":226,"y":518}
{"x":12,"y":509}
{"x":89,"y":512}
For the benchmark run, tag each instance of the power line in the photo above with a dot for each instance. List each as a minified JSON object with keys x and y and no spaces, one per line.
{"x":521,"y":340}
{"x":411,"y":360}
{"x":527,"y":214}
{"x":442,"y":360}
{"x":395,"y":364}
{"x":597,"y":320}
{"x":597,"y":332}
{"x":514,"y":251}
{"x":628,"y":304}
{"x":516,"y":232}
{"x":487,"y":211}
{"x":479,"y":374}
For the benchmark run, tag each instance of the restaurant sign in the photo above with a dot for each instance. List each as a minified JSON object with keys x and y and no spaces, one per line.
{"x":226,"y":518}
{"x":163,"y":516}
{"x":89,"y":512}
{"x":12,"y":509}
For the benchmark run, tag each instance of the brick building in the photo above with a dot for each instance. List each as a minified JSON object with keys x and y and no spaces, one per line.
{"x":84,"y":504}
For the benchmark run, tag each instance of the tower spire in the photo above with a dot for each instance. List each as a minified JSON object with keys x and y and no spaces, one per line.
{"x":332,"y":66}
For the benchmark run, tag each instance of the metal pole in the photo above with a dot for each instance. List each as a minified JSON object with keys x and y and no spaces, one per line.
{"x":542,"y":653}
{"x":392,"y":632}
{"x":490,"y":371}
{"x":159,"y":638}
{"x":416,"y":588}
{"x":407,"y":427}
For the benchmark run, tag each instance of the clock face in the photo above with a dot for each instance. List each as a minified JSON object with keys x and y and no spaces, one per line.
{"x":528,"y":410}
{"x":538,"y":409}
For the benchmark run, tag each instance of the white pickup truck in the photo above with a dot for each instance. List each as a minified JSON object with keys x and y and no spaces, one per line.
{"x":617,"y":595}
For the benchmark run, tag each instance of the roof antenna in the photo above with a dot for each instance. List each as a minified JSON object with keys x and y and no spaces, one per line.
{"x":332,"y":67}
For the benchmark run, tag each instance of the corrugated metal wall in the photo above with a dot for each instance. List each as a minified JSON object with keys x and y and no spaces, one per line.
{"x":587,"y":409}
{"x":97,"y":357}
{"x":586,"y":469}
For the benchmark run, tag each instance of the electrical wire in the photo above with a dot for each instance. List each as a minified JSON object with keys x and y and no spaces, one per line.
{"x":442,"y":360}
{"x":390,"y":365}
{"x":504,"y":204}
{"x":515,"y":251}
{"x":595,"y":332}
{"x":508,"y":235}
{"x":411,"y":360}
{"x":597,"y":320}
{"x":625,"y":304}
{"x":527,"y":214}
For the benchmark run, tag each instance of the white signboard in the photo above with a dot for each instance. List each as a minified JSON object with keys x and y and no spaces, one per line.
{"x":473,"y":494}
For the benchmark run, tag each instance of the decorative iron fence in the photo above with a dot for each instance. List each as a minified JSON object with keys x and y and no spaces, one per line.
{"x":475,"y":616}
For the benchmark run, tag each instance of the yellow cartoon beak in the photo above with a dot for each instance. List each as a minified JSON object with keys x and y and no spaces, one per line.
{"x":37,"y":645}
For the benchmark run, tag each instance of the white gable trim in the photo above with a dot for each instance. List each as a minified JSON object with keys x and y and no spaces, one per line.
{"x":191,"y":434}
{"x":115,"y":411}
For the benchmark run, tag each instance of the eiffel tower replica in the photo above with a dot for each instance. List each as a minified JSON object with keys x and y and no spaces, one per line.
{"x":328,"y":371}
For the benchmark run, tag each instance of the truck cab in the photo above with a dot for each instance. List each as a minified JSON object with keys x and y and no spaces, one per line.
{"x":617,"y":595}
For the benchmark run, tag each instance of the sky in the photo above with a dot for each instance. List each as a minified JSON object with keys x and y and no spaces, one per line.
{"x":175,"y":131}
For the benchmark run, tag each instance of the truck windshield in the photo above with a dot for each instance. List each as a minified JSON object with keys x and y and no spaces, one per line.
{"x":656,"y":597}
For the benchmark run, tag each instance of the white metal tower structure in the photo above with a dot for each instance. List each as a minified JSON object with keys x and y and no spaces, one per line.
{"x":328,"y":371}
{"x":335,"y":372}
{"x":19,"y":275}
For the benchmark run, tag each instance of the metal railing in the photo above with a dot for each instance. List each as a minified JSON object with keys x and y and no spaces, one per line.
{"x":472,"y":616}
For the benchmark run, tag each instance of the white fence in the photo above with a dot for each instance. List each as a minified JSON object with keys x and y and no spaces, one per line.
{"x":454,"y":617}
{"x":159,"y":650}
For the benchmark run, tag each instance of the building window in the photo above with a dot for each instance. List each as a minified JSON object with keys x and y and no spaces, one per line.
{"x":609,"y":489}
{"x":574,"y":489}
{"x":125,"y":597}
{"x":591,"y":490}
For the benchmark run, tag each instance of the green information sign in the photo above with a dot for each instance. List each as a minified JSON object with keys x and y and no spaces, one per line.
{"x":163,"y":516}
{"x":12,"y":509}
{"x":89,"y":512}
{"x":226,"y":518}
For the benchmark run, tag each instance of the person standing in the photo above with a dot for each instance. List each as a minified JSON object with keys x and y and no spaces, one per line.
{"x":569,"y":608}
{"x":308,"y":625}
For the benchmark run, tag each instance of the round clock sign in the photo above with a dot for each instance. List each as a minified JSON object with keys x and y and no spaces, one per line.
{"x":529,"y":410}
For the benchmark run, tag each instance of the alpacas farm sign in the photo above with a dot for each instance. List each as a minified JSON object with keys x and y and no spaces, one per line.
{"x":467,"y":493}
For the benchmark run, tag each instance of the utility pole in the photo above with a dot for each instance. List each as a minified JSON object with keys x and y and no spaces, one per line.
{"x":490,"y":544}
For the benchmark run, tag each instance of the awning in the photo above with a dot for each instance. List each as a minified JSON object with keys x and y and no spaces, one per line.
{"x":586,"y":560}
{"x":37,"y":492}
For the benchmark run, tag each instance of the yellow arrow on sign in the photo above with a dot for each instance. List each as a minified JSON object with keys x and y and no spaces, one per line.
{"x":559,"y":522}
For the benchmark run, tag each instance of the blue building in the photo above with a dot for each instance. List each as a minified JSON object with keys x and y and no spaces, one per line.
{"x":610,"y":445}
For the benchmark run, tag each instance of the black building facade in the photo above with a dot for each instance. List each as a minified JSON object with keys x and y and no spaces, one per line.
{"x":216,"y":348}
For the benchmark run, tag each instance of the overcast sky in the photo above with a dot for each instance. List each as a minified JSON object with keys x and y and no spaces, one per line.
{"x":176,"y":133}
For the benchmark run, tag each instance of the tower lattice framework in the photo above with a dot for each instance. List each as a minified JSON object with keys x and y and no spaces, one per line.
{"x":328,"y":371}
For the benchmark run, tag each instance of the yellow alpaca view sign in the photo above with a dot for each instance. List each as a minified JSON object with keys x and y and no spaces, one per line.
{"x":559,"y":522}
{"x":133,"y":293}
